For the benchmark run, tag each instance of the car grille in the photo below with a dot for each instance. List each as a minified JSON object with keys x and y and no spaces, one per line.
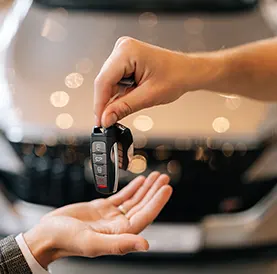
{"x":207,"y":179}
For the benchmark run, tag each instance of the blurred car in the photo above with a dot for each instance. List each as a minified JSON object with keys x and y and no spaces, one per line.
{"x":223,"y":195}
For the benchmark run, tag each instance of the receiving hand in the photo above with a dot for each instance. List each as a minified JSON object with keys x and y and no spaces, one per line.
{"x":103,"y":226}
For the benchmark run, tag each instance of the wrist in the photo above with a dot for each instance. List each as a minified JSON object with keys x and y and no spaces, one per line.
{"x":41,"y":245}
{"x":209,"y":71}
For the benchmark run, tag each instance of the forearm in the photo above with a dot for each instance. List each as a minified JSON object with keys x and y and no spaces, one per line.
{"x":249,"y":70}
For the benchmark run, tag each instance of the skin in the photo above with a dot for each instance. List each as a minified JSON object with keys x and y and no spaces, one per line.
{"x":98,"y":227}
{"x":163,"y":76}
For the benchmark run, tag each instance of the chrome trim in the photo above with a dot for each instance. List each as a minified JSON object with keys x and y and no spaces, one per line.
{"x":174,"y":238}
{"x":127,"y":82}
{"x":116,"y":159}
{"x":255,"y":226}
{"x":130,"y":154}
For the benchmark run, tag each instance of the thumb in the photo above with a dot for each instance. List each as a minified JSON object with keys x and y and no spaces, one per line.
{"x":133,"y":101}
{"x":121,"y":244}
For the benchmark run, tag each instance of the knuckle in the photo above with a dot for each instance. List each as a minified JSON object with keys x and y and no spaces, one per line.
{"x":124,"y":109}
{"x":88,"y":251}
{"x":98,"y":81}
{"x":122,"y":40}
{"x":127,"y":43}
{"x":118,"y":249}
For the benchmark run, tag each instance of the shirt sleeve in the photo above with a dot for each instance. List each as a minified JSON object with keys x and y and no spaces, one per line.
{"x":12,"y":260}
{"x":35,"y":267}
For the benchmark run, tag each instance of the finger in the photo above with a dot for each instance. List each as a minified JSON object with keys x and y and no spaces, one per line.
{"x":160,"y":182}
{"x":149,"y":213}
{"x":119,"y":244}
{"x":141,"y":192}
{"x":114,"y":69}
{"x":78,"y":211}
{"x":101,"y":99}
{"x":127,"y":192}
{"x":131,"y":102}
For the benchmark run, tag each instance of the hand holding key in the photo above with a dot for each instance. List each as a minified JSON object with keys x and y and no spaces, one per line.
{"x":161,"y":75}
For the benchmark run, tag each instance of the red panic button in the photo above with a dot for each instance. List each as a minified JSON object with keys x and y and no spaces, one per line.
{"x":102,"y":186}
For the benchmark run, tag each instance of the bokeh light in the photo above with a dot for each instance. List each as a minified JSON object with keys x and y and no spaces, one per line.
{"x":53,"y":30}
{"x":74,"y":80}
{"x":221,"y":124}
{"x":162,"y":153}
{"x":143,"y":123}
{"x":70,"y":140}
{"x":183,"y":144}
{"x":69,"y":156}
{"x":40,"y":150}
{"x":140,"y":141}
{"x":138,"y":164}
{"x":174,"y":167}
{"x":201,"y":155}
{"x":84,"y":66}
{"x":212,"y":143}
{"x":194,"y":26}
{"x":242,"y":148}
{"x":59,"y":99}
{"x":50,"y":140}
{"x":15,"y":134}
{"x":64,"y":121}
{"x":228,"y":149}
{"x":27,"y":149}
{"x":148,"y":19}
{"x":230,"y":204}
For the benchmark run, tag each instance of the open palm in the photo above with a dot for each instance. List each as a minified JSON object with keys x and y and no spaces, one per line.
{"x":99,"y":228}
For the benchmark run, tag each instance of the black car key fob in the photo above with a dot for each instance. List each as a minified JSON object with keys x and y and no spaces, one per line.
{"x":111,"y":150}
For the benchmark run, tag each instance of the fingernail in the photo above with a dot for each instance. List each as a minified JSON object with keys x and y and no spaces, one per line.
{"x":111,"y":119}
{"x":140,"y":248}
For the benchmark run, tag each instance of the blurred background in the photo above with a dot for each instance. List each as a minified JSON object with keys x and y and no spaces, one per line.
{"x":220,"y":155}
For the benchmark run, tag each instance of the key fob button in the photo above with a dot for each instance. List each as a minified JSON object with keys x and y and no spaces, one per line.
{"x":98,"y":147}
{"x":99,"y":159}
{"x":100,"y":170}
{"x":101,"y":181}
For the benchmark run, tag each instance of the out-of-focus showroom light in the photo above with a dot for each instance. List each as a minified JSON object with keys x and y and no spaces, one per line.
{"x":84,"y":66}
{"x":59,"y":99}
{"x":74,"y":80}
{"x":53,"y":30}
{"x":138,"y":164}
{"x":148,"y":19}
{"x":64,"y":121}
{"x":143,"y":123}
{"x":194,"y":26}
{"x":221,"y":124}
